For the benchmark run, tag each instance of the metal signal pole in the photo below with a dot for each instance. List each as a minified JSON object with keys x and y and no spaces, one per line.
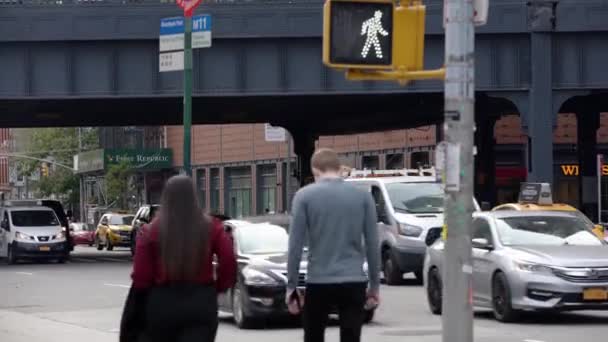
{"x":188,"y":94}
{"x":459,"y":124}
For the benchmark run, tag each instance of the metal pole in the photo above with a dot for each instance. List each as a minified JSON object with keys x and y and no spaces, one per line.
{"x":81,"y":180}
{"x":288,"y":171}
{"x":459,"y":123}
{"x":187,"y":94}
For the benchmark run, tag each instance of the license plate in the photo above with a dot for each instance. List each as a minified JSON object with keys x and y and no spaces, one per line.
{"x":45,"y":248}
{"x":595,"y":294}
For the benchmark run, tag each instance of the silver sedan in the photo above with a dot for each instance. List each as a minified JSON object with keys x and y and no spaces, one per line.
{"x":535,"y":260}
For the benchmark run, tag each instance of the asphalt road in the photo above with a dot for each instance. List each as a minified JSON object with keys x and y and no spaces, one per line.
{"x":82,"y":300}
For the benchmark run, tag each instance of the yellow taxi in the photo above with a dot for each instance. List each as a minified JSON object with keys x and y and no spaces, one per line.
{"x":537,"y":196}
{"x":114,"y":230}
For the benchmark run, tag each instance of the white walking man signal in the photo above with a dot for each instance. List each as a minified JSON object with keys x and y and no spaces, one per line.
{"x":373,"y":27}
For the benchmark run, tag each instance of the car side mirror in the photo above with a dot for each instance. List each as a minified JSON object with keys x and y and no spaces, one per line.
{"x":486,"y":206}
{"x":482,"y":244}
{"x":4,"y":225}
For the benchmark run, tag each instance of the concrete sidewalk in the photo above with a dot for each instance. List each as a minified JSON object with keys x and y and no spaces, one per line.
{"x":19,"y":327}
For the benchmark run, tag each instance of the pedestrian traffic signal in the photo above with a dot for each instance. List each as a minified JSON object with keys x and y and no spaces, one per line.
{"x":44,"y":170}
{"x":376,"y":39}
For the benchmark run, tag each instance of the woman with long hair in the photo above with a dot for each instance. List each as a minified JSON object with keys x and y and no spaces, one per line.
{"x":175,"y":285}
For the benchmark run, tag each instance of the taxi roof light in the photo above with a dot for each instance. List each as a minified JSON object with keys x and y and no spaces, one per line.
{"x":535,"y":193}
{"x":421,"y":172}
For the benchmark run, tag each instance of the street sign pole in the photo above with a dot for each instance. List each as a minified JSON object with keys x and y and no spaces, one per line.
{"x":188,"y":94}
{"x":459,"y":120}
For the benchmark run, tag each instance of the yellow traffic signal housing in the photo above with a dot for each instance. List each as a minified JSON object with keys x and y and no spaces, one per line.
{"x":44,"y":170}
{"x":376,"y":40}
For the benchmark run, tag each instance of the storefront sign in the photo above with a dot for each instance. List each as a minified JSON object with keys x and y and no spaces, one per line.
{"x":90,"y":161}
{"x":140,"y":159}
{"x":574,"y":170}
{"x":100,"y":160}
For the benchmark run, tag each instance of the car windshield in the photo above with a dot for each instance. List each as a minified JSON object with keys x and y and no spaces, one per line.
{"x":34,"y":218}
{"x":416,"y":197}
{"x":545,"y":230}
{"x":118,"y":220}
{"x":262,"y":239}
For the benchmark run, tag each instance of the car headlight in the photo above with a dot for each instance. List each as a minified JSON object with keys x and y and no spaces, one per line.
{"x":23,"y":236}
{"x":59,"y":237}
{"x":409,"y":230}
{"x":255,"y":277}
{"x":531,"y":267}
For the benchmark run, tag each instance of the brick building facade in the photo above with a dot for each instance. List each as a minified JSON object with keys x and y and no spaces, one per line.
{"x":239,"y":173}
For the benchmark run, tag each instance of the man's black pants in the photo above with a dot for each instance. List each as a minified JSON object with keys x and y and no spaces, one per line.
{"x":348,"y":298}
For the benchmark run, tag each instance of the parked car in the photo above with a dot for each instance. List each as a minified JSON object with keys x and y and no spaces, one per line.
{"x":82,"y":234}
{"x":259,"y":294}
{"x":529,"y":260}
{"x":409,"y":205}
{"x":31,"y":233}
{"x":114,"y":230}
{"x":144,"y":215}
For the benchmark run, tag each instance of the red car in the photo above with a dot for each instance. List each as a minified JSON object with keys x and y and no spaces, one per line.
{"x":81,"y":234}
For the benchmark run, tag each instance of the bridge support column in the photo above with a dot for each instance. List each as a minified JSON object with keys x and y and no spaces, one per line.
{"x":588,"y":123}
{"x":485,"y":160}
{"x":540,"y":116}
{"x":304,"y":147}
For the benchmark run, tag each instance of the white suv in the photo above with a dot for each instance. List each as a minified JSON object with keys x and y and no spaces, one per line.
{"x":409,"y":206}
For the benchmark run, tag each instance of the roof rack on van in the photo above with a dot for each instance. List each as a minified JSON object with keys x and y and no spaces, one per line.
{"x":21,"y":203}
{"x":428,"y":172}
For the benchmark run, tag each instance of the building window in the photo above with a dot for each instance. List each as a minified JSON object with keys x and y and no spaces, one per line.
{"x":395,"y":161}
{"x":370,"y":162}
{"x":420,"y":159}
{"x":215,"y":191}
{"x":201,"y":187}
{"x":238,"y":191}
{"x":267,"y":189}
{"x":295,"y":185}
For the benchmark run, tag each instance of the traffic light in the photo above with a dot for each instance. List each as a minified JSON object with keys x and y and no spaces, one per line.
{"x":44,"y":170}
{"x":376,"y":40}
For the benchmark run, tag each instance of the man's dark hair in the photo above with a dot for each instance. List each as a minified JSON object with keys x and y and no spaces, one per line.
{"x":325,"y":159}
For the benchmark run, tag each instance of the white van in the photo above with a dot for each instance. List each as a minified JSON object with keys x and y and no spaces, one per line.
{"x":409,"y":206}
{"x":31,"y":233}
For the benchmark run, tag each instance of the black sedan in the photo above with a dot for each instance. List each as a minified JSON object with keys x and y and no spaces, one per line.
{"x":259,"y":294}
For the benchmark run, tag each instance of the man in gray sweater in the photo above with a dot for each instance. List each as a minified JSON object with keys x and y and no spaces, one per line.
{"x":339,"y":222}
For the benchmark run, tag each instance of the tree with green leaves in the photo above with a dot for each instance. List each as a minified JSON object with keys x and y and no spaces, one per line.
{"x":118,"y":185}
{"x":57,"y":146}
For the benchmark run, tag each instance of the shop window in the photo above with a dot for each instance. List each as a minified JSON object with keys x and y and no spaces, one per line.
{"x":420,"y":159}
{"x":267,"y":189}
{"x":238,"y":192}
{"x":395,"y":161}
{"x":201,"y":187}
{"x":214,"y":203}
{"x":370,"y":162}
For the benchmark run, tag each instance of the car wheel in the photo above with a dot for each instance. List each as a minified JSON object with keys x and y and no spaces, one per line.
{"x":109,"y":244}
{"x":11,"y":258}
{"x":98,"y":243}
{"x":392,"y":273}
{"x":434,"y":290}
{"x":242,"y":320}
{"x":501,"y":299}
{"x":369,"y":316}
